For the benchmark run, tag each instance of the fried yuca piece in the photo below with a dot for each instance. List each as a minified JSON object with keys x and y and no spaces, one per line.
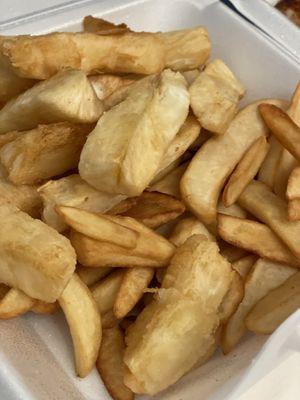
{"x":268,"y":169}
{"x":215,"y":95}
{"x":43,"y":152}
{"x":188,"y":227}
{"x":34,"y":257}
{"x":170,"y":183}
{"x":40,"y":57}
{"x":102,"y":27}
{"x":67,"y":96}
{"x":15,"y":303}
{"x":206,"y":174}
{"x":105,"y":84}
{"x":146,"y":122}
{"x":73,"y":191}
{"x":185,"y":313}
{"x":24,"y":197}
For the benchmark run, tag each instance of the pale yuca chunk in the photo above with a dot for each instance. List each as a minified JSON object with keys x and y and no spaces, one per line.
{"x":215,"y":95}
{"x":67,"y":96}
{"x":33,"y":256}
{"x":125,"y":149}
{"x":73,"y":191}
{"x":43,"y":152}
{"x":185,"y":313}
{"x":40,"y":57}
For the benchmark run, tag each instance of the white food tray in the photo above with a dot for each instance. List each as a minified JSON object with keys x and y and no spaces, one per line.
{"x":36,"y":359}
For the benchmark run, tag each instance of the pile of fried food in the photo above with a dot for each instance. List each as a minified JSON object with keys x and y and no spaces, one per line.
{"x":137,"y":197}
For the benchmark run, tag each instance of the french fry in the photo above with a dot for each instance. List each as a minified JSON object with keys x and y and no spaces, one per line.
{"x":230,"y":252}
{"x":43,"y":152}
{"x":244,"y":265}
{"x":119,"y":168}
{"x":232,"y":299}
{"x":134,"y":282}
{"x":184,"y":312}
{"x":245,"y":171}
{"x":234,"y":210}
{"x":188,"y":227}
{"x":98,"y":227}
{"x":41,"y":307}
{"x":268,"y":169}
{"x":67,"y":96}
{"x":139,"y":53}
{"x":84,"y":322}
{"x":294,"y":107}
{"x":15,"y":303}
{"x":255,"y":237}
{"x":206,"y":174}
{"x":282,"y":127}
{"x":287,"y":164}
{"x":170,"y":183}
{"x":26,"y":198}
{"x":111,"y":366}
{"x":272,"y":210}
{"x":294,"y":210}
{"x":264,"y":276}
{"x":215,"y":95}
{"x":33,"y":257}
{"x":105,"y":84}
{"x":106,"y":290}
{"x":275,"y":307}
{"x":89,"y":276}
{"x":293,"y":186}
{"x":102,"y":27}
{"x":73,"y":191}
{"x":154,"y":209}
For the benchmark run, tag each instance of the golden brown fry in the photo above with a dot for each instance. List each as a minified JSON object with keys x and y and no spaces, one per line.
{"x":268,"y":169}
{"x":103,"y":27}
{"x":67,"y":96}
{"x":84,"y":322}
{"x":244,"y":265}
{"x":272,"y":210}
{"x":106,"y":290}
{"x":169,"y":184}
{"x":294,"y":210}
{"x":33,"y":257}
{"x":207,"y":172}
{"x":255,"y":237}
{"x":232,"y":299}
{"x":128,"y":163}
{"x":155,"y":209}
{"x":105,"y":84}
{"x":98,"y":227}
{"x":188,"y":227}
{"x":89,"y":276}
{"x":264,"y":276}
{"x":15,"y":303}
{"x":41,"y":307}
{"x":40,"y":57}
{"x":111,"y":366}
{"x":215,"y":95}
{"x":282,"y":127}
{"x":293,"y":186}
{"x":245,"y":171}
{"x":134,"y":282}
{"x":294,"y":107}
{"x":286,"y":165}
{"x":275,"y":307}
{"x":73,"y":191}
{"x":43,"y":152}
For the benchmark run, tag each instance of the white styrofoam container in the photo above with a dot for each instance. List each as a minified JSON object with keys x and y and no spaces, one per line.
{"x":36,"y":360}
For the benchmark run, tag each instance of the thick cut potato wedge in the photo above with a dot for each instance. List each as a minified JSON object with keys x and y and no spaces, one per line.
{"x":15,"y":303}
{"x":268,"y":169}
{"x":294,"y":210}
{"x":188,"y":227}
{"x":75,"y":192}
{"x":84,"y":322}
{"x":102,"y":27}
{"x":67,"y":96}
{"x":264,"y":276}
{"x":215,"y":95}
{"x":206,"y":174}
{"x":33,"y":257}
{"x":146,"y":121}
{"x":185,"y":313}
{"x":43,"y":152}
{"x":293,"y":186}
{"x":170,"y":184}
{"x":40,"y":57}
{"x":275,"y":307}
{"x":26,"y":198}
{"x":105,"y":84}
{"x":134,"y":283}
{"x":89,"y":276}
{"x":154,"y":209}
{"x":245,"y":171}
{"x":41,"y":307}
{"x":272,"y":210}
{"x":255,"y":237}
{"x":111,"y":366}
{"x":244,"y":265}
{"x":106,"y":290}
